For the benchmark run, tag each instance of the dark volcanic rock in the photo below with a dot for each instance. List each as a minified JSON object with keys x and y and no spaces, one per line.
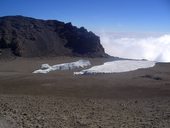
{"x":29,"y":37}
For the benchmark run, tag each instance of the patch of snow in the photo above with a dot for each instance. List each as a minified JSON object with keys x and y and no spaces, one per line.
{"x":117,"y":66}
{"x":45,"y":68}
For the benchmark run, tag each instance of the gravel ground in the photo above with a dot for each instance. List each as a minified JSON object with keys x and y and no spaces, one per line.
{"x":138,"y":99}
{"x":55,"y":112}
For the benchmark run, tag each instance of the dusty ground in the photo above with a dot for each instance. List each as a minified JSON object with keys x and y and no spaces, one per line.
{"x":138,"y":99}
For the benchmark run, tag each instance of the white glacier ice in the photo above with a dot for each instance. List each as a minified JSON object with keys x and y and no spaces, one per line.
{"x":117,"y":66}
{"x":45,"y":68}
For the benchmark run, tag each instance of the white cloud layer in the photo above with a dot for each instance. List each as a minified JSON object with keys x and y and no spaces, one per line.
{"x":137,"y":46}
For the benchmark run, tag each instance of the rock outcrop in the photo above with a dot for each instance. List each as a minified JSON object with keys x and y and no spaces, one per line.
{"x":29,"y":37}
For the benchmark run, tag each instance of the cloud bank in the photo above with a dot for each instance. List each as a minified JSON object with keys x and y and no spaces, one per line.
{"x":137,"y":46}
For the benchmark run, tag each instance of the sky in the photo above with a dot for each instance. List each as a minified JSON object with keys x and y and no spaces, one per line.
{"x":97,"y":15}
{"x":137,"y":29}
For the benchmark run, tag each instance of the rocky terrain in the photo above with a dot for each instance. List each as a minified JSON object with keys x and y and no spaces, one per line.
{"x":29,"y":37}
{"x":65,"y":112}
{"x":59,"y":99}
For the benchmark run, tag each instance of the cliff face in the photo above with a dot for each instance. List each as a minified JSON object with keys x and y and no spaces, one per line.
{"x":29,"y":37}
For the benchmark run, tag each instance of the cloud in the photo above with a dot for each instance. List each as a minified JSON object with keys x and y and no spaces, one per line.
{"x":137,"y":46}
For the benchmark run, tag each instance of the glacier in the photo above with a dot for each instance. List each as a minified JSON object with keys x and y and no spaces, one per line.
{"x":118,"y":66}
{"x":46,"y":68}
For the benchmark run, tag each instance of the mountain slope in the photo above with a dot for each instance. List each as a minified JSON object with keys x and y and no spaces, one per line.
{"x":29,"y":37}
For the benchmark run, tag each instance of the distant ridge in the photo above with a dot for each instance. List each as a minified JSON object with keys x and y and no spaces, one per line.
{"x":29,"y":37}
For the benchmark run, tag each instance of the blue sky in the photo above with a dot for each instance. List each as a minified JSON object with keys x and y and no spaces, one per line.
{"x":97,"y":15}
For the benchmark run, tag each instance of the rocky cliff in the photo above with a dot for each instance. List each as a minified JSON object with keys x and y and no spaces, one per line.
{"x":29,"y":37}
